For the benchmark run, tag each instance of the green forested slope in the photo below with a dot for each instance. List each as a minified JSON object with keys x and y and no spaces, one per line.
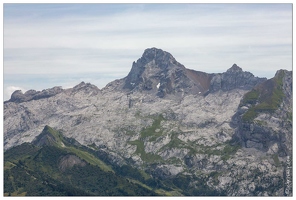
{"x":53,"y":165}
{"x":31,"y":170}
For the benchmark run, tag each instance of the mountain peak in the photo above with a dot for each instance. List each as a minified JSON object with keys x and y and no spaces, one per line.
{"x":158,"y":72}
{"x":48,"y":137}
{"x":18,"y":96}
{"x":153,"y":50}
{"x":235,"y":68}
{"x":233,"y":78}
{"x":162,"y":59}
{"x":154,"y":53}
{"x":154,"y":67}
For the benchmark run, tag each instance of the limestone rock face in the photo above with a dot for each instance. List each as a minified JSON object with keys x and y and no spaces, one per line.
{"x":19,"y":97}
{"x":159,"y":73}
{"x":171,"y":121}
{"x":69,"y":161}
{"x":272,"y":121}
{"x":233,"y":78}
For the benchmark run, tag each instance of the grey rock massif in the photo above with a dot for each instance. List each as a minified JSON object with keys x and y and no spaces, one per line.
{"x":169,"y":120}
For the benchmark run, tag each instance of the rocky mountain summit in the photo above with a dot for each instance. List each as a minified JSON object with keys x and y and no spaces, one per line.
{"x":159,"y":73}
{"x":18,"y":96}
{"x":225,"y":133}
{"x":233,"y":78}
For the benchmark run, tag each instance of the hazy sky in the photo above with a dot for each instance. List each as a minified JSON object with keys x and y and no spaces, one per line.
{"x":47,"y":45}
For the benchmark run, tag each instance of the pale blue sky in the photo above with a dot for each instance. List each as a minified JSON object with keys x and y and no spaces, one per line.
{"x":47,"y":45}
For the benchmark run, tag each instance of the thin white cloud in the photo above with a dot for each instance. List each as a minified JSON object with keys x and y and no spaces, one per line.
{"x":99,"y":31}
{"x":65,"y":39}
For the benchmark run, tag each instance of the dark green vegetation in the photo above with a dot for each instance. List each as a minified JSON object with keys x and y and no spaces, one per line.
{"x":53,"y":165}
{"x":147,"y":157}
{"x":265,"y":97}
{"x":31,"y":170}
{"x":152,"y":132}
{"x":276,"y":160}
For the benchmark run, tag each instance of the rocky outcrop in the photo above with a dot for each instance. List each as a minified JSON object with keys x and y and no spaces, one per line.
{"x":69,"y":161}
{"x":48,"y":137}
{"x":159,"y":73}
{"x":166,"y":171}
{"x":264,"y":118}
{"x":86,"y":88}
{"x":234,"y":78}
{"x":19,"y":97}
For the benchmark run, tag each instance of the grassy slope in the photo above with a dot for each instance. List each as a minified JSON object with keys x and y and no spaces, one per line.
{"x":266,"y":97}
{"x":28,"y":165}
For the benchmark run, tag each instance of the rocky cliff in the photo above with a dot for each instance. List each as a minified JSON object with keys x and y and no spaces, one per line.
{"x":264,"y":117}
{"x":158,"y":72}
{"x":219,"y":129}
{"x":233,"y":78}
